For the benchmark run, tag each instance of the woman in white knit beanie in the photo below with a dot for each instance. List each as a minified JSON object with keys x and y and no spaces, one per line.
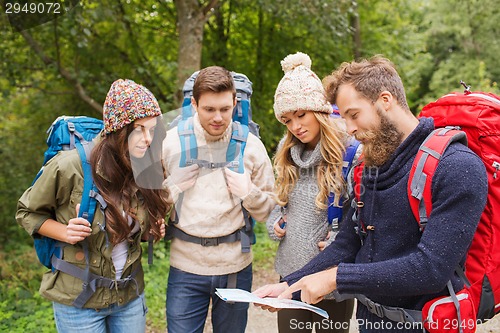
{"x":308,"y":165}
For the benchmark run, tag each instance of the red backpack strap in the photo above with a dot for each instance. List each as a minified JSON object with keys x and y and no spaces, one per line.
{"x":357,"y":177}
{"x":357,"y":204}
{"x":423,"y":168}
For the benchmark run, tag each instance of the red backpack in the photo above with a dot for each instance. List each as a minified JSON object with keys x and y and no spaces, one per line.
{"x":478,"y":115}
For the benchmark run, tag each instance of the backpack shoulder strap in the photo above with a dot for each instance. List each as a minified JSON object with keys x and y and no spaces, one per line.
{"x":236,"y":147}
{"x":187,"y":109}
{"x":335,"y":211}
{"x":189,"y":148}
{"x":90,"y":191}
{"x":424,"y":167}
{"x":235,"y":162}
{"x":189,"y":152}
{"x":357,"y":178}
{"x":355,"y":186}
{"x":350,"y":152}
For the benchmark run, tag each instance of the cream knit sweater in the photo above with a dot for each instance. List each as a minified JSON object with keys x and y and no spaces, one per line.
{"x":208,"y":209}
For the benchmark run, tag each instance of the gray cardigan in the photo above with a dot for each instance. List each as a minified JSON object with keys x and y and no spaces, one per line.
{"x":306,"y":224}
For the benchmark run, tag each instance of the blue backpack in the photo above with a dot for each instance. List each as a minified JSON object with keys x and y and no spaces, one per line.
{"x":67,"y":133}
{"x":335,"y":212}
{"x":242,"y":125}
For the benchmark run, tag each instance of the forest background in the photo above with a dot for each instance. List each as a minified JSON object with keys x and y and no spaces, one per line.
{"x":66,"y":65}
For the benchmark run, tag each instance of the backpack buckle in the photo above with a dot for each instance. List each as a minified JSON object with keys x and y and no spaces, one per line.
{"x":209,"y":241}
{"x":375,"y":308}
{"x":233,"y":164}
{"x":361,"y":232}
{"x":123,"y":283}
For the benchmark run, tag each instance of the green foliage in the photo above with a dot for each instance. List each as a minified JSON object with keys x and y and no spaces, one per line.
{"x":155,"y":278}
{"x":264,"y":249}
{"x":22,"y":309}
{"x":28,"y":313}
{"x":393,"y":29}
{"x":461,"y":37}
{"x":447,"y":78}
{"x":19,"y":160}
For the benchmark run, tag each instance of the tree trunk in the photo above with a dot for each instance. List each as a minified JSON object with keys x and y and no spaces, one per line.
{"x":191,"y":18}
{"x":356,"y":28}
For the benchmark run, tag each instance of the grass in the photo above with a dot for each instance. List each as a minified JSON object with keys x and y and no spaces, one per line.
{"x":23,"y":310}
{"x":264,"y":249}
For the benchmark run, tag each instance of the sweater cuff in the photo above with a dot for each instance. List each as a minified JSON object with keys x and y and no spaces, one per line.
{"x":295,"y":295}
{"x":350,"y":279}
{"x":251,"y":196}
{"x":172,"y":188}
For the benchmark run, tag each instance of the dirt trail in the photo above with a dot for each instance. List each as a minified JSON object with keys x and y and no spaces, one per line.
{"x":261,"y":321}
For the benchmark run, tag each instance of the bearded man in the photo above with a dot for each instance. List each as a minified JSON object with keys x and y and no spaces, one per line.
{"x":390,"y":260}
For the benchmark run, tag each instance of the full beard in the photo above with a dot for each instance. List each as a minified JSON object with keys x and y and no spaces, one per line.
{"x":379,"y":144}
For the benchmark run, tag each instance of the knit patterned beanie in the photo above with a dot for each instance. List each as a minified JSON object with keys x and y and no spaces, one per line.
{"x":126,"y":102}
{"x":300,"y":88}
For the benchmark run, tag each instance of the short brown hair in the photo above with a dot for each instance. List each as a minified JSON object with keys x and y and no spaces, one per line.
{"x":213,"y":79}
{"x":369,"y":78}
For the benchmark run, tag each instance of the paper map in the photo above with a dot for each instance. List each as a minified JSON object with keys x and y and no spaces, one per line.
{"x":239,"y":295}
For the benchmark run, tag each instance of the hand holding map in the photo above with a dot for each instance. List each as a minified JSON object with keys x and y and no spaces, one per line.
{"x":239,"y":295}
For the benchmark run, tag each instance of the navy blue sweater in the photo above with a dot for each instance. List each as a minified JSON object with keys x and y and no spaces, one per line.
{"x":397,"y":265}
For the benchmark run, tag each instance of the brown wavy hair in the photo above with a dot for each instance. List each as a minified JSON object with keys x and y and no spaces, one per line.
{"x":329,"y":172}
{"x":369,"y":77}
{"x":114,"y":177}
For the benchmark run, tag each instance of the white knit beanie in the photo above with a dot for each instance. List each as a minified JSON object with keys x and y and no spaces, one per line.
{"x":300,"y":88}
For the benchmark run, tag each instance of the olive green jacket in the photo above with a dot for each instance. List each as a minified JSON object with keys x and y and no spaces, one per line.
{"x":55,"y":195}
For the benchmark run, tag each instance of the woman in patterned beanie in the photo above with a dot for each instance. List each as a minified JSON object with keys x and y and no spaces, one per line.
{"x":308,"y":166}
{"x":103,"y":288}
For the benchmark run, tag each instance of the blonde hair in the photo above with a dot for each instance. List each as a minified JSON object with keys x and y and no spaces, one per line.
{"x":329,"y":171}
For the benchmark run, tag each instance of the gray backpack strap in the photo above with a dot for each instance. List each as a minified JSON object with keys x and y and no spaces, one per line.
{"x":393,"y":313}
{"x":92,"y":281}
{"x":73,"y":132}
{"x":207,"y":164}
{"x":456,"y":303}
{"x":173,"y":231}
{"x":247,"y":231}
{"x":232,"y":280}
